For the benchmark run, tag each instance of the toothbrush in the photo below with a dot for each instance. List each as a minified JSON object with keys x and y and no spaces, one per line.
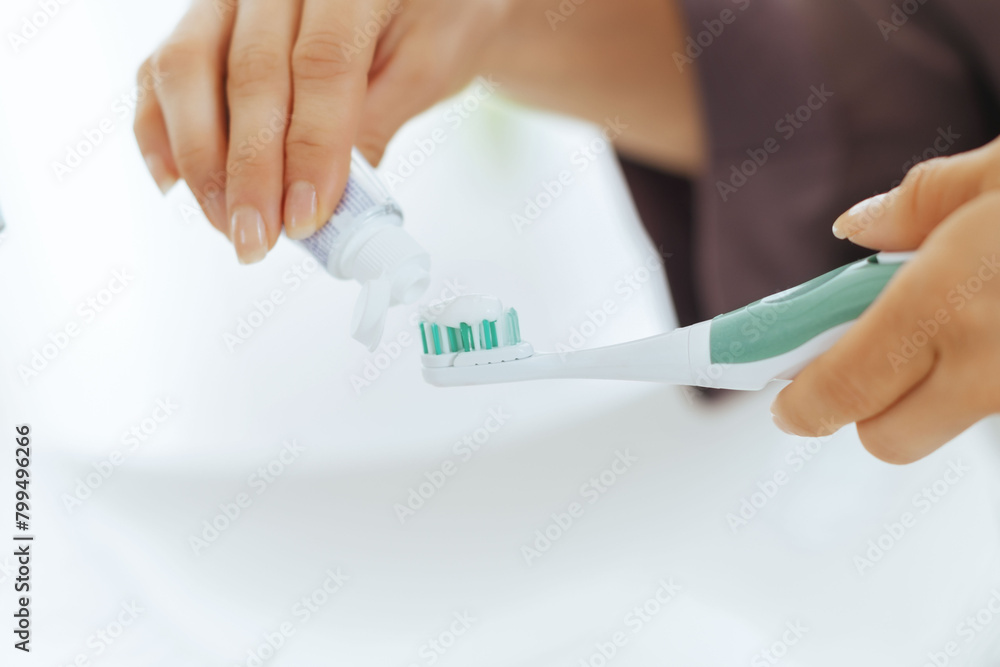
{"x":474,"y":340}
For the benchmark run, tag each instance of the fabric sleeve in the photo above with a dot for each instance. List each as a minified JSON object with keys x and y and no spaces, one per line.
{"x":810,"y":107}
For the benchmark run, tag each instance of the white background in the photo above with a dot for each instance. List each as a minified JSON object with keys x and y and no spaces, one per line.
{"x":162,"y":338}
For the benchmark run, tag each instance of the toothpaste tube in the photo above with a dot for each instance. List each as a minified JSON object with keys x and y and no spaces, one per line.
{"x":364,"y":241}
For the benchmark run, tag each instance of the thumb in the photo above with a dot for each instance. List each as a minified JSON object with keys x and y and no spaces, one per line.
{"x":870,"y":368}
{"x":903,"y":217}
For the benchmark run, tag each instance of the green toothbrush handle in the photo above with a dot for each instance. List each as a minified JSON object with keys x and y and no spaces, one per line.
{"x":781,"y":323}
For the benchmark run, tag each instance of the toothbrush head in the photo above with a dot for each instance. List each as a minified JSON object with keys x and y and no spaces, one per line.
{"x":468,"y":331}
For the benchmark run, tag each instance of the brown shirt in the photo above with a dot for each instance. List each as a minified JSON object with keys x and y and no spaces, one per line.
{"x":811,"y":106}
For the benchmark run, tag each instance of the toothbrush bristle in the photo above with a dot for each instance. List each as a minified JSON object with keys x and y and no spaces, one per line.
{"x":513,"y":327}
{"x":484,"y":335}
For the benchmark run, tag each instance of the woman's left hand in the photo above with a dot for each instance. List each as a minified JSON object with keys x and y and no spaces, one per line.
{"x":922,"y":364}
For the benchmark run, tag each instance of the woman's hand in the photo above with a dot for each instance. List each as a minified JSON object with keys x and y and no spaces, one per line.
{"x":259,"y":103}
{"x":922,"y":364}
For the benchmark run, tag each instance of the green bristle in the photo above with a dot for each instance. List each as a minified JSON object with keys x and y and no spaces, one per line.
{"x":487,"y":343}
{"x":468,"y":343}
{"x":438,"y":339}
{"x":423,"y":336}
{"x":453,"y":339}
{"x":436,"y":333}
{"x":515,"y":328}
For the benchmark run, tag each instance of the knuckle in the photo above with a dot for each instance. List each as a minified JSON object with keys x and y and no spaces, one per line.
{"x":917,"y":190}
{"x":322,"y":56}
{"x":305,"y":146}
{"x":254,"y":67}
{"x":177,"y":58}
{"x":193,"y":156}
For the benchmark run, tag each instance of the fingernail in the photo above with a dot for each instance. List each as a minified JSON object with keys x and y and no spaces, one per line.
{"x":249,"y":235}
{"x":300,"y":210}
{"x":860,"y":217}
{"x":158,"y":169}
{"x":781,"y":423}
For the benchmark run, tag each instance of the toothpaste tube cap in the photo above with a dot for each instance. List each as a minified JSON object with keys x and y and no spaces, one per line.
{"x":393,"y":269}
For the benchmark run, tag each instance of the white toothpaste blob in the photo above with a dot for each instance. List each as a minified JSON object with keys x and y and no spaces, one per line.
{"x":469,"y":309}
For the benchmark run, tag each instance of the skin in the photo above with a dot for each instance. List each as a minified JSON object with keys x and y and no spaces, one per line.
{"x":259,"y":103}
{"x":922,"y":364}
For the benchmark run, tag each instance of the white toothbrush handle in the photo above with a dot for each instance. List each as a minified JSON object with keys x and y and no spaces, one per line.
{"x":771,"y":339}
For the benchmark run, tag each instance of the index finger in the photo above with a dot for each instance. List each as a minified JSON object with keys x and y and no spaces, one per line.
{"x":329,"y":81}
{"x":903,"y":217}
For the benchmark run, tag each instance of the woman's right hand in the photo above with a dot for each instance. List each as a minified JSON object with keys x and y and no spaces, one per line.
{"x":922,"y":364}
{"x":258,"y":103}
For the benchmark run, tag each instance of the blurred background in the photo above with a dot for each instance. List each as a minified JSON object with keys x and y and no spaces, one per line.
{"x":285,"y":499}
